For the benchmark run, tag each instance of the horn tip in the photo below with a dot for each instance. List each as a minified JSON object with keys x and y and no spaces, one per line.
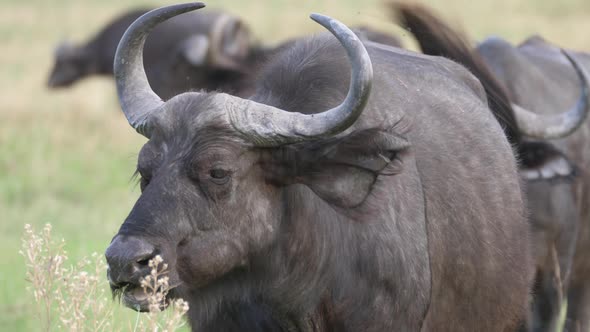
{"x":322,"y":19}
{"x":332,"y":25}
{"x":197,"y":5}
{"x":189,"y":6}
{"x":183,"y":7}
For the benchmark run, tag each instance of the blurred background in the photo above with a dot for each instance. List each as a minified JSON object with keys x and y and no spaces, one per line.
{"x":67,"y":156}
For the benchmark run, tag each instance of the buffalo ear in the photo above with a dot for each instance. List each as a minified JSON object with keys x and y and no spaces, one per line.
{"x":230,"y":43}
{"x":195,"y":50}
{"x":341,"y":171}
{"x":226,"y":45}
{"x":542,"y":161}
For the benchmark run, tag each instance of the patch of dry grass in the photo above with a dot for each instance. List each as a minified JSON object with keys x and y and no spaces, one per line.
{"x":76,"y":297}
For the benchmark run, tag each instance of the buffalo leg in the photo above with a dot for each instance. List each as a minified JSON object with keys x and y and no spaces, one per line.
{"x":578,"y":308}
{"x":547,"y":302}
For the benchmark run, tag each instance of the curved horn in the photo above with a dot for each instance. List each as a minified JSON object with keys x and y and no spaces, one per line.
{"x":136,"y":97}
{"x":269,"y":126}
{"x":559,"y":125}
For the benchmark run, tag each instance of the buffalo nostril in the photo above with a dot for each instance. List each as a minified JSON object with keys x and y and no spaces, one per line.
{"x":145,"y":259}
{"x":128,"y":255}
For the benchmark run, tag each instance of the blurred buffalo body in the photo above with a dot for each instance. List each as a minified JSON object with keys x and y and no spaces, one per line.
{"x":536,"y":76}
{"x":193,"y":51}
{"x":327,"y":201}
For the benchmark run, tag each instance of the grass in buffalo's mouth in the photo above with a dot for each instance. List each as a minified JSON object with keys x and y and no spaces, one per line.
{"x":117,"y":292}
{"x":152,"y":294}
{"x":75,"y":297}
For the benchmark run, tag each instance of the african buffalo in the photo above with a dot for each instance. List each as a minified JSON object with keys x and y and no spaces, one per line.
{"x":386,"y":199}
{"x":528,"y":77}
{"x":210,"y":51}
{"x":209,"y":47}
{"x":538,"y":77}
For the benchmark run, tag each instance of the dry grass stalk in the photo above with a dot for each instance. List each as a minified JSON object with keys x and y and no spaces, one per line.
{"x":44,"y":260}
{"x":74,"y":298}
{"x":83,"y":302}
{"x":156,"y":286}
{"x":557,"y":273}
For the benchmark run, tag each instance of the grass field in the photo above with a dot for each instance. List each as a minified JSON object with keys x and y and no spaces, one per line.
{"x":66,"y":157}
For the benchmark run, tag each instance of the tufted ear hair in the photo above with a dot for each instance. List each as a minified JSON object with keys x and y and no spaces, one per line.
{"x":541,"y":161}
{"x":342,"y":170}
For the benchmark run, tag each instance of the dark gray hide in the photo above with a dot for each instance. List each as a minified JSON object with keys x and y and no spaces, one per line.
{"x":539,"y":77}
{"x":541,"y":163}
{"x":411,"y":219}
{"x":192,"y":51}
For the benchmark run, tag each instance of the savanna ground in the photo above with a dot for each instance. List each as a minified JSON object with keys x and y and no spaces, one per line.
{"x":67,"y":157}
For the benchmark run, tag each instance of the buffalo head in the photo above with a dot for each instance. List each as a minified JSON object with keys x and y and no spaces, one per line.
{"x":71,"y":64}
{"x":213,"y":167}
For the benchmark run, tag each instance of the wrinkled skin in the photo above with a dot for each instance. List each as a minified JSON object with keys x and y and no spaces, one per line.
{"x":411,"y":220}
{"x":538,"y":77}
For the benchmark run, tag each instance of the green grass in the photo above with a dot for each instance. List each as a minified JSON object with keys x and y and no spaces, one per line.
{"x":66,"y":157}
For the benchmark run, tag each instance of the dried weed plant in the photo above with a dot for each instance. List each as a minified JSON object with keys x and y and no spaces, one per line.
{"x":44,"y":260}
{"x":156,"y":287}
{"x":77,"y":297}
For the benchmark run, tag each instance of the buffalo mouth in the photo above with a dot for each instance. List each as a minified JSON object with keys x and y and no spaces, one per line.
{"x":136,"y":298}
{"x":132,"y":296}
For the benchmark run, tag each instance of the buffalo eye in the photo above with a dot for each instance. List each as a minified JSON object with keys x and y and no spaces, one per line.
{"x":143,"y":182}
{"x":219,"y":176}
{"x":144,"y":179}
